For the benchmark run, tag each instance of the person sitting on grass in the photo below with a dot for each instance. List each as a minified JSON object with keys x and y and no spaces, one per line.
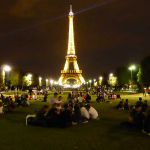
{"x":45,"y":96}
{"x":39,"y":119}
{"x":92,"y":112}
{"x":54,"y":99}
{"x":9,"y":104}
{"x":146,"y":127}
{"x":77,"y":118}
{"x":87,"y":98}
{"x":139,"y":102}
{"x":80,"y":98}
{"x":144,"y":106}
{"x":100,"y":98}
{"x":17,"y":100}
{"x":53,"y":117}
{"x":120,"y":106}
{"x":84,"y":113}
{"x":136,"y":117}
{"x":58,"y":103}
{"x":70,"y":98}
{"x":24,"y":101}
{"x":126,"y":105}
{"x":66,"y":116}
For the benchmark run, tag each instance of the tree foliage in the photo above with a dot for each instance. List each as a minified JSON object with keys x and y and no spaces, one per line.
{"x":123,"y":75}
{"x":145,"y":71}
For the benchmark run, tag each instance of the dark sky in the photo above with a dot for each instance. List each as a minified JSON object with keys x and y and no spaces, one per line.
{"x":33,"y":34}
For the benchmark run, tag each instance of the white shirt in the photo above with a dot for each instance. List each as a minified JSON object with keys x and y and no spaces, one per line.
{"x":80,"y":99}
{"x":53,"y":100}
{"x":84,"y":113}
{"x":93,"y":113}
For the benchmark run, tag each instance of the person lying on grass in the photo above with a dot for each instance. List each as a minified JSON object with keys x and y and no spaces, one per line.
{"x":38,"y":119}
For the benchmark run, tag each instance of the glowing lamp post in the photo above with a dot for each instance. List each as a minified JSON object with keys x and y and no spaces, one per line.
{"x":40,"y":81}
{"x":5,"y":69}
{"x":100,"y":80}
{"x":46,"y":82}
{"x":51,"y":82}
{"x":90,"y":81}
{"x":132,"y":68}
{"x":94,"y":82}
{"x":111,"y":75}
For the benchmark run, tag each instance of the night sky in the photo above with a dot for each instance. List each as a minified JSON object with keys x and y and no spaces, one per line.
{"x":34,"y":34}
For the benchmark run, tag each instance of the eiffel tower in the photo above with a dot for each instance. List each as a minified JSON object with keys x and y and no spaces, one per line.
{"x":71,"y":75}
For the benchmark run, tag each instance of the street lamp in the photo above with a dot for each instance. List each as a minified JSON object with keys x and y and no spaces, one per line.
{"x":111,"y":75}
{"x":132,"y":68}
{"x":40,"y":81}
{"x":5,"y":69}
{"x":47,"y":82}
{"x":100,"y":80}
{"x":51,"y":82}
{"x":90,"y":81}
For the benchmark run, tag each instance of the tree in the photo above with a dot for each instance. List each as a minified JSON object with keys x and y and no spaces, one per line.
{"x":123,"y":75}
{"x":145,"y":71}
{"x":27,"y":80}
{"x":14,"y":77}
{"x":139,"y":76}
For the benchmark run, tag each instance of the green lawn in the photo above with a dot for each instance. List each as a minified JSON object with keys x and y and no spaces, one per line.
{"x":104,"y":134}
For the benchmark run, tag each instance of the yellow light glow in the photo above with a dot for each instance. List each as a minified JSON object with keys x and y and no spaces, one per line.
{"x":71,"y":45}
{"x":51,"y":81}
{"x":71,"y":58}
{"x":132,"y":67}
{"x":7,"y":68}
{"x":28,"y":79}
{"x":111,"y":74}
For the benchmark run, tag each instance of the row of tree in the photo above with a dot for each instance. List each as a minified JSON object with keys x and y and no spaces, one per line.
{"x":141,"y":76}
{"x":16,"y":77}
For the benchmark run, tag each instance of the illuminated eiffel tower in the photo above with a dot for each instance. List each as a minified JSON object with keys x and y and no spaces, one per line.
{"x":71,"y":75}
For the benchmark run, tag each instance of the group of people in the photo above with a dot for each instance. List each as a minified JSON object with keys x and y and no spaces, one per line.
{"x":7,"y":104}
{"x":76,"y":110}
{"x":105,"y":95}
{"x":139,"y":117}
{"x":125,"y":105}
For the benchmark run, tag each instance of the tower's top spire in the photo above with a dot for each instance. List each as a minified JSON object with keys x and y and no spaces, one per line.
{"x":71,"y":12}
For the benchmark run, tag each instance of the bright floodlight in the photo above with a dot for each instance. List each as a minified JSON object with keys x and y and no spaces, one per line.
{"x":90,"y":81}
{"x":132,"y":67}
{"x":7,"y":68}
{"x":101,"y":78}
{"x":40,"y":78}
{"x":111,"y":75}
{"x":51,"y":81}
{"x":29,"y":75}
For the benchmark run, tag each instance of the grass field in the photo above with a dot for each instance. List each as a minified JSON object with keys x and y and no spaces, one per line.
{"x":104,"y":134}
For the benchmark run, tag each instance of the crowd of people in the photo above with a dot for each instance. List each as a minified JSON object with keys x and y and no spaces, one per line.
{"x":139,"y":117}
{"x":76,"y":110}
{"x":7,"y":104}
